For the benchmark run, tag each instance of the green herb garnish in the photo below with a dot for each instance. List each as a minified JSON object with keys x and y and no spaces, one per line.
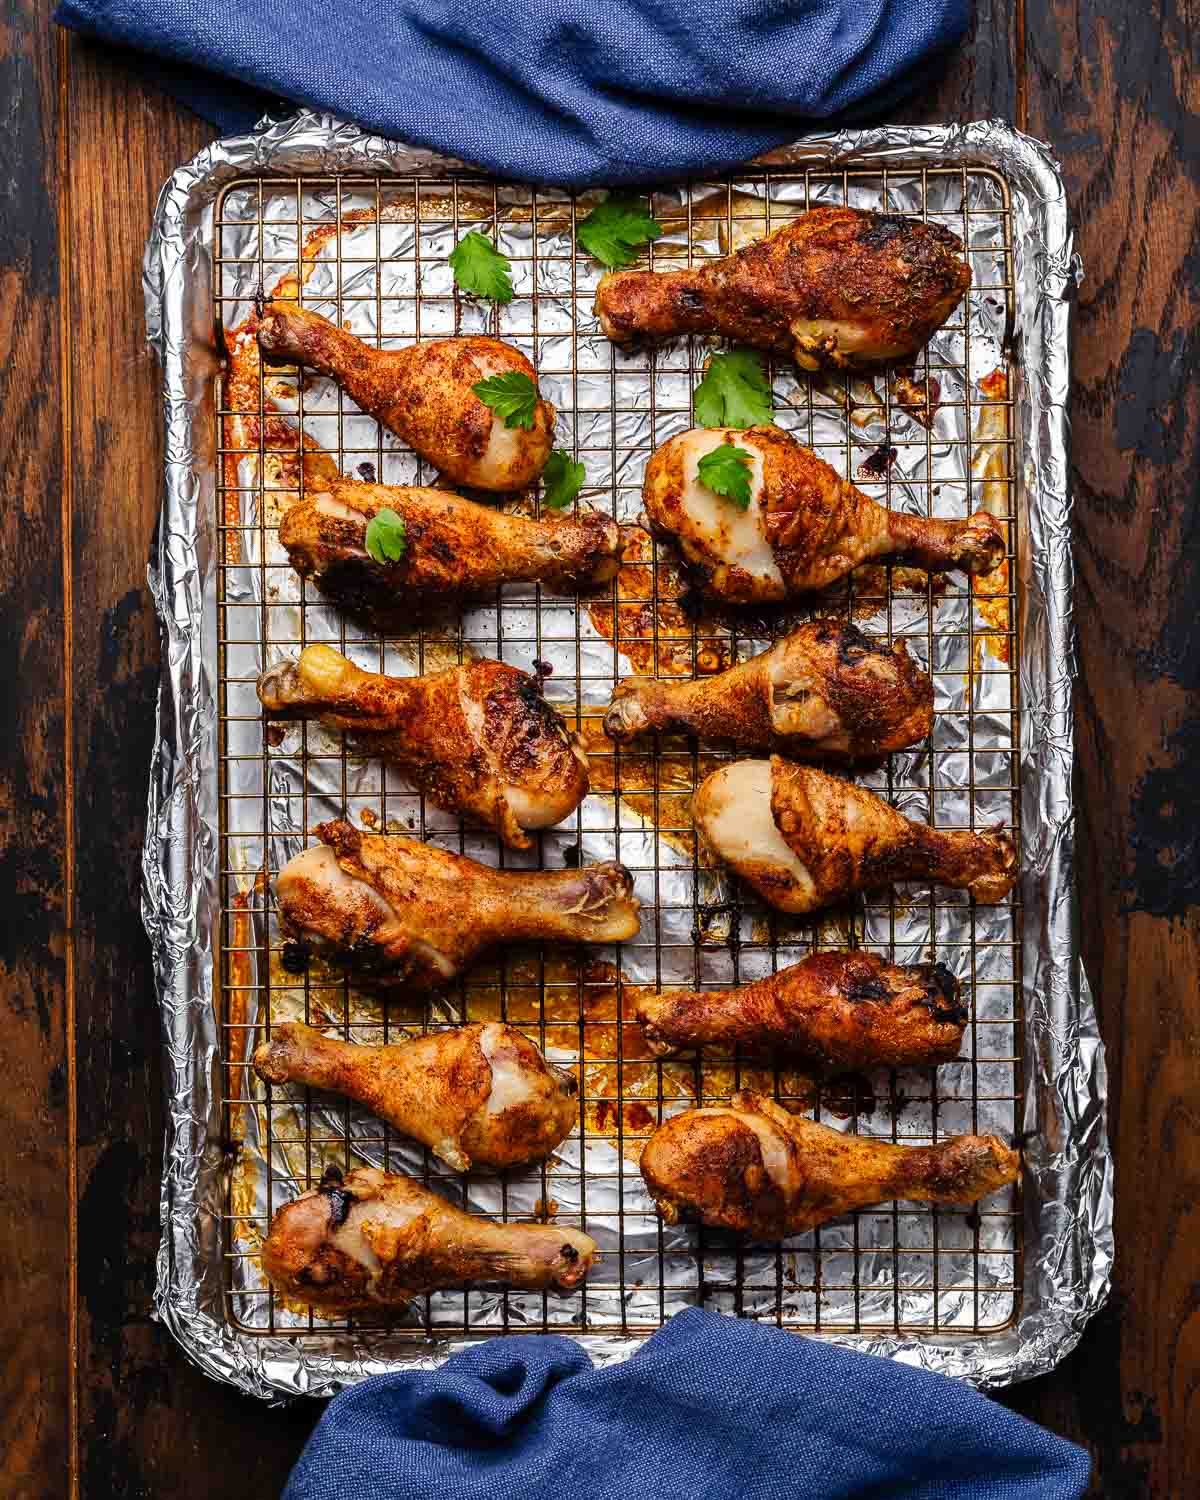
{"x":512,"y":396}
{"x":726,"y":471}
{"x":615,"y":228}
{"x":735,"y":391}
{"x":480,"y":268}
{"x":386,"y":537}
{"x":562,"y":479}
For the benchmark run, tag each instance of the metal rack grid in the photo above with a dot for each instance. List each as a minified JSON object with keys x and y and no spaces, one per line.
{"x":371,"y":252}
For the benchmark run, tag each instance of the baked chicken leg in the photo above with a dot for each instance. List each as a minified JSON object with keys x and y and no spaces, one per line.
{"x":452,"y":548}
{"x":826,"y":689}
{"x":477,"y":739}
{"x":837,"y":288}
{"x":475,"y":1095}
{"x":756,"y":1169}
{"x":841,"y":1011}
{"x":804,"y":839}
{"x":394,"y":911}
{"x":377,"y":1240}
{"x":805,"y":526}
{"x":423,"y":394}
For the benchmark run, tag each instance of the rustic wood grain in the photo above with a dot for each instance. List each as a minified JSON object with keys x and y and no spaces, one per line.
{"x":34,"y":1191}
{"x":1115,"y":88}
{"x":1114,"y":98}
{"x":151,"y":1425}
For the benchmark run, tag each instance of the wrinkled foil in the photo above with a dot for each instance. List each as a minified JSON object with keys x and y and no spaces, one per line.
{"x":1067,"y":1196}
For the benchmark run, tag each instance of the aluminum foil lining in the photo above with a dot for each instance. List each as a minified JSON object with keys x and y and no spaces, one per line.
{"x":1067,"y":1197}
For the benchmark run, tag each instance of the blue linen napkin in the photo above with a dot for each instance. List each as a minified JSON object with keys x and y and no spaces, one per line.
{"x":711,"y":1408}
{"x":577,"y":92}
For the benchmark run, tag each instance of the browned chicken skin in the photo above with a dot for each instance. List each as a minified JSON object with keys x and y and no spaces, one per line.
{"x":454,"y":548}
{"x":378,"y":1239}
{"x":479,"y":739}
{"x":423,"y":394}
{"x":804,"y":839}
{"x":840,"y":1011}
{"x":756,"y":1169}
{"x":837,"y":288}
{"x":398,"y":912}
{"x":476,"y":1095}
{"x":805,"y":526}
{"x":825,"y":690}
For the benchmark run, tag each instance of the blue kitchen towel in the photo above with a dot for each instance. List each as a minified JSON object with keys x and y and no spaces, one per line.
{"x":710,"y":1408}
{"x":569,"y":91}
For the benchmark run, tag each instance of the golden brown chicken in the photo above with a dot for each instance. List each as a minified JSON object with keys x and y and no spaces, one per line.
{"x":754,"y":1168}
{"x":377,"y":1239}
{"x":840,"y":1011}
{"x":452,"y":548}
{"x":805,"y":526}
{"x":804,"y":839}
{"x":423,"y":394}
{"x":394,"y":911}
{"x":824,"y":690}
{"x":475,"y":1095}
{"x":837,"y":288}
{"x":479,"y":739}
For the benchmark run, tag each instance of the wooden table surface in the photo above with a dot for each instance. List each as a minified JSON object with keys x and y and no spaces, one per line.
{"x":97,"y":1399}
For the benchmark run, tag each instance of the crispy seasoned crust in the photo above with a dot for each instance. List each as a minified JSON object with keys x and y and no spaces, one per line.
{"x":424,"y":393}
{"x":454,"y":548}
{"x":850,"y":840}
{"x":478,"y":1095}
{"x":399,"y":912}
{"x":837,"y":287}
{"x":806,"y":526}
{"x":709,"y":1164}
{"x":825,"y":690}
{"x":378,"y":1239}
{"x":841,"y":1011}
{"x":755,"y":1168}
{"x":477,"y":739}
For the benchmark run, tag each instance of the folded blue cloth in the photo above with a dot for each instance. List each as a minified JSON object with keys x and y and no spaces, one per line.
{"x":711,"y":1408}
{"x":568,"y":91}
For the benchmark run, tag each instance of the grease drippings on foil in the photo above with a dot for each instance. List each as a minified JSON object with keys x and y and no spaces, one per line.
{"x":585,"y":1020}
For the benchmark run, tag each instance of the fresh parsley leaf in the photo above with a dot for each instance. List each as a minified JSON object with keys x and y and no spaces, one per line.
{"x":726,"y":471}
{"x":615,"y":228}
{"x":386,"y":537}
{"x":562,"y":479}
{"x":735,"y":391}
{"x":480,"y":268}
{"x":512,"y":396}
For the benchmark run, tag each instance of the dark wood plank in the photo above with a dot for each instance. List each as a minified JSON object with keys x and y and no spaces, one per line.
{"x":1115,"y":89}
{"x":150,"y":1423}
{"x":34,"y":1167}
{"x":980,"y":80}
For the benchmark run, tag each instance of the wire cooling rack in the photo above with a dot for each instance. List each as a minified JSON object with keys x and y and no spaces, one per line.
{"x":371,"y":253}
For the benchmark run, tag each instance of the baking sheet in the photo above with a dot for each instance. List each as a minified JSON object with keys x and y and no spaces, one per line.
{"x":992,"y":1301}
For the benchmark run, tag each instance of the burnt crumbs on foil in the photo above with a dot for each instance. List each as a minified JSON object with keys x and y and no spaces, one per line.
{"x":364,"y":228}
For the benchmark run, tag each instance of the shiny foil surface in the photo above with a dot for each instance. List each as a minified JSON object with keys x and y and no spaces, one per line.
{"x":228,"y":1165}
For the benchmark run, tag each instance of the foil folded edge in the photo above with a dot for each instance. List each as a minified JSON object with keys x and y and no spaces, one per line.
{"x":1068,"y":1194}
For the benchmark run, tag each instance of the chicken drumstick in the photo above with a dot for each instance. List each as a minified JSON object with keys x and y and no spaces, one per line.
{"x":756,"y":1169}
{"x":476,"y":1095}
{"x":478,"y":739}
{"x":825,"y":689}
{"x":452,"y":547}
{"x":423,"y":394}
{"x":842,"y":1011}
{"x":805,"y":526}
{"x":398,"y":912}
{"x":804,"y":839}
{"x":377,"y":1240}
{"x":837,"y":287}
